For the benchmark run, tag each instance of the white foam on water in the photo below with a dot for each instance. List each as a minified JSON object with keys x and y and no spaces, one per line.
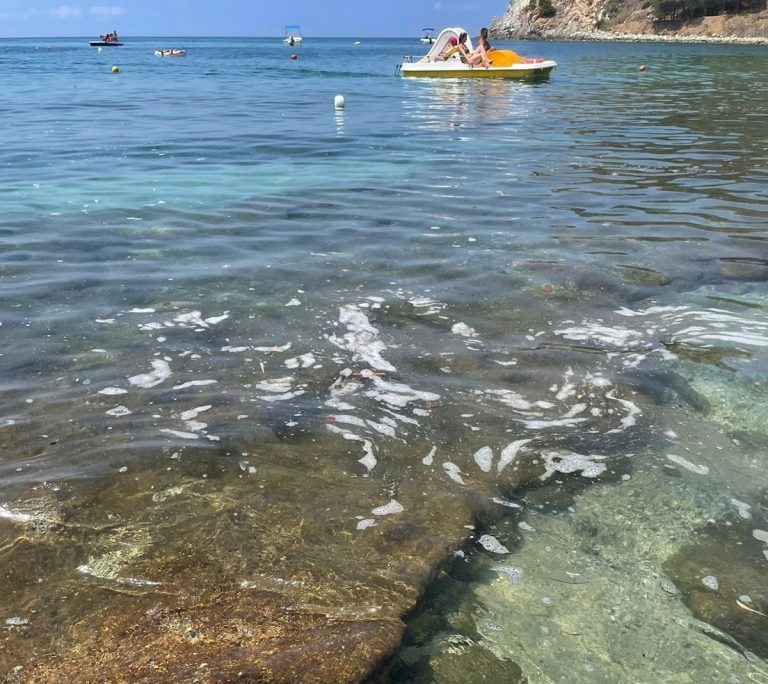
{"x":382,"y":428}
{"x":513,"y":362}
{"x":143,"y":311}
{"x":650,"y":311}
{"x":161,"y":372}
{"x":105,"y":320}
{"x":234,"y":350}
{"x":464,"y":330}
{"x":366,"y":523}
{"x":491,"y":544}
{"x":760,"y":535}
{"x":303,"y":361}
{"x":398,"y":394}
{"x":361,"y":339}
{"x":393,"y":506}
{"x":454,"y":472}
{"x":575,"y":410}
{"x":710,"y":581}
{"x":705,"y":327}
{"x":430,"y":306}
{"x":509,"y":452}
{"x":568,"y":389}
{"x":746,"y":339}
{"x":596,"y":332}
{"x":145,"y":327}
{"x":504,"y":502}
{"x":119,"y":411}
{"x":630,"y":419}
{"x":16,"y":622}
{"x":9,"y":514}
{"x":688,"y":465}
{"x":281,"y":397}
{"x":429,"y":458}
{"x":598,"y":380}
{"x":556,"y":422}
{"x":194,"y":319}
{"x":191,"y":319}
{"x":570,"y":462}
{"x":508,"y":398}
{"x":484,"y":458}
{"x":282,"y":348}
{"x":181,"y":434}
{"x":136,"y":582}
{"x":368,"y":459}
{"x":294,"y":302}
{"x":278,"y":385}
{"x":195,"y":383}
{"x":113,"y":391}
{"x":349,"y":420}
{"x":743,"y":509}
{"x":193,"y":413}
{"x":513,"y":574}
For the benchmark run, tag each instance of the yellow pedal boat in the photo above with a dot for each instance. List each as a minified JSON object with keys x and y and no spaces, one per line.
{"x":443,"y":60}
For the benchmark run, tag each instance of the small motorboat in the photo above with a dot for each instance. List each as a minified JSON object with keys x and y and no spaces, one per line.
{"x":428,"y":38}
{"x":171,"y":52}
{"x":109,"y":40}
{"x":292,"y":34}
{"x":443,"y":60}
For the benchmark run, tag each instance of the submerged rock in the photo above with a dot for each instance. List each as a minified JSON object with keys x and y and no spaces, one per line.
{"x":715,"y":572}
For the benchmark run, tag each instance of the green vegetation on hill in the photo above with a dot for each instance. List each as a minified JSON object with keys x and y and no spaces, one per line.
{"x":689,"y":9}
{"x":545,"y":8}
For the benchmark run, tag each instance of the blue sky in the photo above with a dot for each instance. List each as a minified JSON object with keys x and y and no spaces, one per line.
{"x":23,"y":18}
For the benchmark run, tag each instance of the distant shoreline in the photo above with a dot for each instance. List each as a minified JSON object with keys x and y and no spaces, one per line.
{"x":607,"y":36}
{"x":591,"y":36}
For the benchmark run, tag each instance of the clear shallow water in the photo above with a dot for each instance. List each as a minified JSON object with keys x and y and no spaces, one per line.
{"x":215,"y":286}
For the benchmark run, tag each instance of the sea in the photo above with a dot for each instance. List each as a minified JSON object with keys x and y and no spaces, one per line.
{"x":511,"y":334}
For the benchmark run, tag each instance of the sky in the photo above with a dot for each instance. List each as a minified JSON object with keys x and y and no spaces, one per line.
{"x":348,"y":18}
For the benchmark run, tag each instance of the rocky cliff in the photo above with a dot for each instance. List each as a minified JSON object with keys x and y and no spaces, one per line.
{"x":620,"y":19}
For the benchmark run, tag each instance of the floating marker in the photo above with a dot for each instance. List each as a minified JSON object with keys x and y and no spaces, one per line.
{"x":338,"y":102}
{"x":115,"y":69}
{"x":642,"y":67}
{"x":294,"y":56}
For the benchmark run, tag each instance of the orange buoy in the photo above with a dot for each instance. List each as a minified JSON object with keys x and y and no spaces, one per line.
{"x":294,"y":56}
{"x":642,"y":67}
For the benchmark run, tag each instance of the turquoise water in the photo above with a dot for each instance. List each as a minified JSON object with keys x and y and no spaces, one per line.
{"x":200,"y":256}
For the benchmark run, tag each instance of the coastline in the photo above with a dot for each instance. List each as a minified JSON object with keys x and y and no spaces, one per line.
{"x":608,"y":36}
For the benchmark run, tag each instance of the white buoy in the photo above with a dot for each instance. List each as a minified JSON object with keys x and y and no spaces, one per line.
{"x":338,"y":102}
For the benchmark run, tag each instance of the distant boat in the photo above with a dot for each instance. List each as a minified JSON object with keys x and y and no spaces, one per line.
{"x":110,"y":40}
{"x":428,"y":38}
{"x":171,"y":52}
{"x":292,"y":34}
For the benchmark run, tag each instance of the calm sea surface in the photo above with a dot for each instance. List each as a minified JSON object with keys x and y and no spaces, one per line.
{"x":527,"y":320}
